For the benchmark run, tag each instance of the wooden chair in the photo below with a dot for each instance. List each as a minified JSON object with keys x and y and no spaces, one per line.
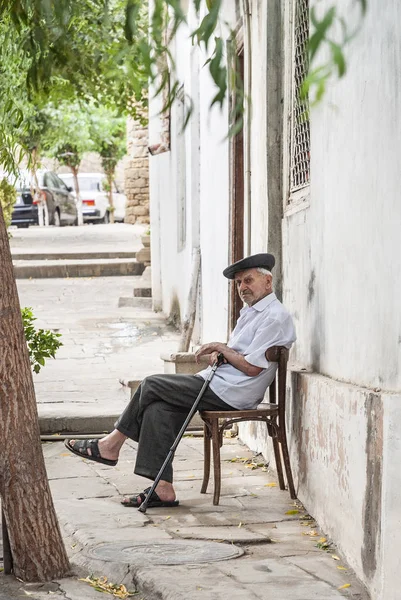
{"x":272,"y":413}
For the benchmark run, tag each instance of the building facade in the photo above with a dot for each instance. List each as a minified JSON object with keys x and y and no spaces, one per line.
{"x":320,"y":191}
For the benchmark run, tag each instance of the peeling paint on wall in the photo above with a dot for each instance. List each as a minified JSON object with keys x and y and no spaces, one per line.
{"x":373,"y":491}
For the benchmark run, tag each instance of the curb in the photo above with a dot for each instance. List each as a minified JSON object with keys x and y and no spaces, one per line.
{"x":81,"y":268}
{"x":71,"y":255}
{"x":93,"y":425}
{"x":96,"y":424}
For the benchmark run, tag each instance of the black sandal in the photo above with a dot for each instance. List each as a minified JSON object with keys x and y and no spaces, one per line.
{"x":81,"y":447}
{"x":154,"y":502}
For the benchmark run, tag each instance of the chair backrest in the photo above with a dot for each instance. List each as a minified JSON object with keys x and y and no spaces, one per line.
{"x":278,"y":354}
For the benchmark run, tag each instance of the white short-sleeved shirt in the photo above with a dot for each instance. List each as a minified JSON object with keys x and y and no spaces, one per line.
{"x":267,"y":323}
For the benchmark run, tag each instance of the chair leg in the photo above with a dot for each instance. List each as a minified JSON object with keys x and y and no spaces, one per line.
{"x":287,"y":464}
{"x":206,"y":458}
{"x":279,"y":466}
{"x":216,"y":460}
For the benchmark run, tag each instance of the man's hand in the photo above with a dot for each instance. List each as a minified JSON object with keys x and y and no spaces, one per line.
{"x":230,"y":356}
{"x":214,"y":358}
{"x":213,"y":348}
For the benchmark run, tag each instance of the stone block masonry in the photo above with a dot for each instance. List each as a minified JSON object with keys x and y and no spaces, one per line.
{"x":137,"y":173}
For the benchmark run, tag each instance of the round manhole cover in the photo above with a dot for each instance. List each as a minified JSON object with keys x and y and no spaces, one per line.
{"x":169,"y":552}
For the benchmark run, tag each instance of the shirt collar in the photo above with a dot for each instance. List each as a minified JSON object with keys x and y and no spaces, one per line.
{"x":264,"y":303}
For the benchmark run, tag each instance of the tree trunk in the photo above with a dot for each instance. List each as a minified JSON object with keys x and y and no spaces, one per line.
{"x":78,"y":195}
{"x":111,"y":201}
{"x":37,"y":547}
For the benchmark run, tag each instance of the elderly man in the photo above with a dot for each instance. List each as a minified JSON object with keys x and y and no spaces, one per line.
{"x":159,"y":407}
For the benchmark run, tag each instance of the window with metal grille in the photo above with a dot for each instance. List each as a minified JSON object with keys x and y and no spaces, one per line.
{"x":300,"y":128}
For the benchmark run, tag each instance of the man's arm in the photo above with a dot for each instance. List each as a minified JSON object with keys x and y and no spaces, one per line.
{"x":235,"y":359}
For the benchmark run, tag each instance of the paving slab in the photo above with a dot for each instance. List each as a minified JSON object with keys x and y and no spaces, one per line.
{"x":200,"y":583}
{"x":231,"y":534}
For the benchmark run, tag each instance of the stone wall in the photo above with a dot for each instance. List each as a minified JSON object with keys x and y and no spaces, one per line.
{"x":137,"y":173}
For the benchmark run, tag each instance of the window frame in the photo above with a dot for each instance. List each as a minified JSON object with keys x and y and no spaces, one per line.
{"x":299,"y":199}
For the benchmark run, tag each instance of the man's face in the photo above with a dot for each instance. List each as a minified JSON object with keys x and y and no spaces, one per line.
{"x":252,"y":285}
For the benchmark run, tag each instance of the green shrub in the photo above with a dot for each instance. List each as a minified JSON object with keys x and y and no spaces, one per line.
{"x":42,"y":343}
{"x":8,"y":196}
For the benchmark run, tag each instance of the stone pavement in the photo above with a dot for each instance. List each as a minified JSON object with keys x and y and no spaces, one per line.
{"x":103,"y":343}
{"x":270,"y":544}
{"x":177,"y":553}
{"x":78,"y":240}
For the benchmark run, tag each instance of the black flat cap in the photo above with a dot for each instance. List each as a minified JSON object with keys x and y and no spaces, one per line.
{"x":266,"y":261}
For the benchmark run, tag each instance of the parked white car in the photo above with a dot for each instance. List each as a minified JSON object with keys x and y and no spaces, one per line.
{"x":95,"y":201}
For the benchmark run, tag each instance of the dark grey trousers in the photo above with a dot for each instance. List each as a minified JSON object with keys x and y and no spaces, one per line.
{"x":155,"y":415}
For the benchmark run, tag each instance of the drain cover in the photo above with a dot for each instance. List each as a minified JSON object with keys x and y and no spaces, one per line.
{"x":169,"y":552}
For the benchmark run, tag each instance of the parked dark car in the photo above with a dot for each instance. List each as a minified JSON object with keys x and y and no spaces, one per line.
{"x":60,"y":201}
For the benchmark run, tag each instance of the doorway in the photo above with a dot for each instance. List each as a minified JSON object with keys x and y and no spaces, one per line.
{"x":236,"y":240}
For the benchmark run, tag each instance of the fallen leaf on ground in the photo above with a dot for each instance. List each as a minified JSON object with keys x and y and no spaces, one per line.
{"x":343,"y":587}
{"x":322,"y":540}
{"x":270,"y":484}
{"x":342,"y":568}
{"x":335,"y":557}
{"x":240,"y":525}
{"x":102,"y":585}
{"x":292,"y":512}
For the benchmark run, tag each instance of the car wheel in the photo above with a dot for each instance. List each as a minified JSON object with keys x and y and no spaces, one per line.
{"x":56,"y":219}
{"x":22,"y":225}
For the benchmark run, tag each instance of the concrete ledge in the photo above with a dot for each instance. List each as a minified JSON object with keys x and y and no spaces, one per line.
{"x":81,"y":268}
{"x":135,"y":302}
{"x":49,"y":425}
{"x":71,"y":255}
{"x":183,"y":363}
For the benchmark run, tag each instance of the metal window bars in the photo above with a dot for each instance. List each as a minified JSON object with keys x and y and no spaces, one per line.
{"x":300,"y":126}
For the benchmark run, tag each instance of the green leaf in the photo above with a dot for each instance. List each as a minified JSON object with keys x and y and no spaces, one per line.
{"x":338,"y":58}
{"x":321,"y":28}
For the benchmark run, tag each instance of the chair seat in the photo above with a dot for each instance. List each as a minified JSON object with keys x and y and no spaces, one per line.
{"x":264,"y":410}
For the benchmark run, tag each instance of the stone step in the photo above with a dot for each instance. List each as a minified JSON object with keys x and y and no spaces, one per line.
{"x":135,"y":302}
{"x":142,"y":292}
{"x":71,"y":255}
{"x":62,"y":422}
{"x":77,"y":268}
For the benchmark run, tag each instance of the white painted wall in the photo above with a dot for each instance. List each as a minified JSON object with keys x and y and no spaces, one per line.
{"x":207,"y":189}
{"x":341,"y":260}
{"x":258,"y":130}
{"x":354,"y":219}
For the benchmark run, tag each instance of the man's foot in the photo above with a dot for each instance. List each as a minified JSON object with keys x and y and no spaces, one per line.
{"x":164,"y":495}
{"x":92,"y":450}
